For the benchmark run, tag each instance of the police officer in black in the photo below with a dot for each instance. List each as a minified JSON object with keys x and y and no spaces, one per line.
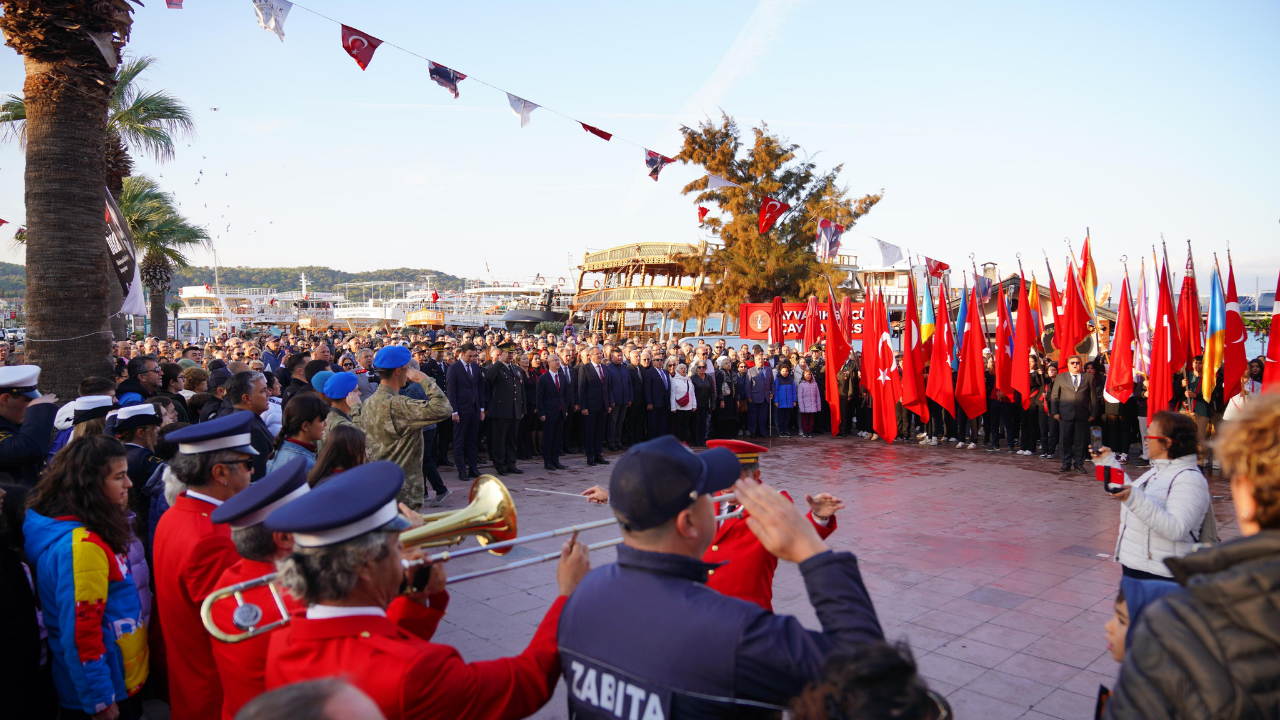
{"x":505,"y":409}
{"x":434,"y":368}
{"x":26,"y":423}
{"x":646,"y":638}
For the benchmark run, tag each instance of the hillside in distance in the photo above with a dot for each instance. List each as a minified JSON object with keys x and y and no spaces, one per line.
{"x":320,"y":279}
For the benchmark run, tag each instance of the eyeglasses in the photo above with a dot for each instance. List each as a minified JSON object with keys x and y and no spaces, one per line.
{"x":1156,"y":437}
{"x":348,"y":365}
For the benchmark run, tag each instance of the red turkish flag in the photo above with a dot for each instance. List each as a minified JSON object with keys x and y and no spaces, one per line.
{"x":1236,"y":362}
{"x":913,"y":395}
{"x":941,"y":387}
{"x":936,"y":267}
{"x":595,"y":131}
{"x":1024,"y":338}
{"x":1073,"y":323}
{"x":770,"y":211}
{"x":702,"y":213}
{"x":1120,"y":374}
{"x":435,"y":296}
{"x":837,"y":355}
{"x":971,"y":388}
{"x":1004,"y":346}
{"x":4,"y":222}
{"x":1167,"y":356}
{"x":886,"y":386}
{"x":1190,"y":330}
{"x":1271,"y":373}
{"x":359,"y":45}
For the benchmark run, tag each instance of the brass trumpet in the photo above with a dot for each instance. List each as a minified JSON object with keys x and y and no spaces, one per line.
{"x":490,"y":516}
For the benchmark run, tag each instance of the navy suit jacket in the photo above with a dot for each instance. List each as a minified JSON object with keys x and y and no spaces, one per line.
{"x":657,"y":393}
{"x":551,"y":401}
{"x":466,"y":391}
{"x":593,"y":390}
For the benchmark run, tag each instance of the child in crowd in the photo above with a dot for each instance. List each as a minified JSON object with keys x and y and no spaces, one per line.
{"x":784,"y":399}
{"x":809,"y":398}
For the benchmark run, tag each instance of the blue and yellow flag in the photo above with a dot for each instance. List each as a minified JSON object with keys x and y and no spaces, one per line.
{"x":960,"y":322}
{"x":926,"y":317}
{"x":1215,"y":346}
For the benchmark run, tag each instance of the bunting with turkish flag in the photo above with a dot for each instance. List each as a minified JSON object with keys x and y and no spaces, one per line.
{"x":941,"y":385}
{"x":1167,"y":354}
{"x":770,"y":211}
{"x":1004,"y":345}
{"x":971,"y":387}
{"x":702,"y":213}
{"x":837,"y":355}
{"x":1023,"y":342}
{"x":1120,"y":373}
{"x":1236,"y":362}
{"x":359,"y":45}
{"x":913,"y":395}
{"x":886,"y":386}
{"x":596,"y":131}
{"x":655,"y":162}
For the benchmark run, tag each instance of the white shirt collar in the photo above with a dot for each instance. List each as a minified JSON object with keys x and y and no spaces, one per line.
{"x":325,"y":612}
{"x":201,"y":496}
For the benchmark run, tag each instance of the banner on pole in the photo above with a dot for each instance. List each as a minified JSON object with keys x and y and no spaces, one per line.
{"x":124,"y":259}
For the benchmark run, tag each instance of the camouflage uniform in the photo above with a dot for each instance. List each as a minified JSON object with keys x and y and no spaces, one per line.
{"x":394,"y":423}
{"x":335,"y":418}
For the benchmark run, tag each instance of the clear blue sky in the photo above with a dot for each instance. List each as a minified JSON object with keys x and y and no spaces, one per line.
{"x":994,"y":128}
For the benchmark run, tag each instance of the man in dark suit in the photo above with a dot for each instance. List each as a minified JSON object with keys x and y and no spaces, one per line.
{"x":465,"y":387}
{"x":657,"y":396}
{"x":759,"y":394}
{"x":552,"y":399}
{"x":1074,"y":403}
{"x":592,"y":391}
{"x":637,"y":417}
{"x":505,"y":409}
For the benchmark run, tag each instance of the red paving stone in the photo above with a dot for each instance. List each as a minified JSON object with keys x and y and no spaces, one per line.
{"x":995,"y":569}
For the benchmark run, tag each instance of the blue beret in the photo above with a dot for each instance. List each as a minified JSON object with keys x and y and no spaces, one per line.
{"x":338,"y":386}
{"x":392,"y":357}
{"x":319,"y":379}
{"x":347,"y":505}
{"x":253,"y":504}
{"x":230,"y":432}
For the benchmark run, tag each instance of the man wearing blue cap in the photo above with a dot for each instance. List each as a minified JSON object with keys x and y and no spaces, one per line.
{"x":346,"y":566}
{"x":26,"y":423}
{"x":215,"y":462}
{"x":732,"y":657}
{"x":393,"y":423}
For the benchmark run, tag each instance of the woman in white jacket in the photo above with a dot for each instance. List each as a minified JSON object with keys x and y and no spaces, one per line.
{"x":682,"y":392}
{"x":1163,"y":511}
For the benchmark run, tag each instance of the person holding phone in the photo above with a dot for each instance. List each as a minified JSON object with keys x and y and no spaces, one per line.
{"x":1162,"y":513}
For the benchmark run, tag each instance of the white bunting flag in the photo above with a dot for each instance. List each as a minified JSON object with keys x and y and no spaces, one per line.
{"x":889,"y":254}
{"x":521,"y":108}
{"x":715,"y":181}
{"x":271,"y":15}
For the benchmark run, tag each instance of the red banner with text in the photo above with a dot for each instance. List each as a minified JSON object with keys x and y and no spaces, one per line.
{"x":755,"y":319}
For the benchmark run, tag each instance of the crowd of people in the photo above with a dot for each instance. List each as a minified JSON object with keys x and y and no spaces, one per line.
{"x":202,"y":465}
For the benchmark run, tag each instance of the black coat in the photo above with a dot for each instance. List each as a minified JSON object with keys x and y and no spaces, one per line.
{"x":656,"y":392}
{"x":22,"y":448}
{"x":552,"y":401}
{"x":592,"y":387}
{"x":1209,"y":651}
{"x":506,"y":392}
{"x":465,"y":388}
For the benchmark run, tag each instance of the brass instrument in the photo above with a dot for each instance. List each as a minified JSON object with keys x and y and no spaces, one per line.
{"x":490,"y":516}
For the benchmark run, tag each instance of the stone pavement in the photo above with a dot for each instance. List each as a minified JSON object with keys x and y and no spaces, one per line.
{"x":994,"y":568}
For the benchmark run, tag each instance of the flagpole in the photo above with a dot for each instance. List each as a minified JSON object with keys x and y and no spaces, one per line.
{"x":986,"y":329}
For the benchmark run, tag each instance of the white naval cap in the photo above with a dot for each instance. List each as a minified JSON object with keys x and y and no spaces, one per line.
{"x":20,"y":379}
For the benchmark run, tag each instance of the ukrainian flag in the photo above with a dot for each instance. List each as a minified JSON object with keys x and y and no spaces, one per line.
{"x":926,"y":318}
{"x":1215,"y":338}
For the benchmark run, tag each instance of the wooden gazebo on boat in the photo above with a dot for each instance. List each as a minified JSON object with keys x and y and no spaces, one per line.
{"x":621,"y":289}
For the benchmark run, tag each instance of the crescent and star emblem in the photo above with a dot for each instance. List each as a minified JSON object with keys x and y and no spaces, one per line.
{"x":769,"y":205}
{"x":893,"y":362}
{"x":351,"y":43}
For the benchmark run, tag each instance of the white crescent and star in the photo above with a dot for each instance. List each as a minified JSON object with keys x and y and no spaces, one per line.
{"x":351,"y":43}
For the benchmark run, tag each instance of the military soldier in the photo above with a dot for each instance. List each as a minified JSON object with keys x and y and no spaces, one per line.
{"x":336,"y":390}
{"x":393,"y":423}
{"x":436,"y":369}
{"x":505,"y":409}
{"x":26,"y":423}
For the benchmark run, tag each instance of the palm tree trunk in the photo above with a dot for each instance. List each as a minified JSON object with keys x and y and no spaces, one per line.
{"x":67,"y":330}
{"x":159,"y":314}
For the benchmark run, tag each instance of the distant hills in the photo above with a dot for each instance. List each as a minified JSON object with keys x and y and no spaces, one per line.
{"x":13,"y":278}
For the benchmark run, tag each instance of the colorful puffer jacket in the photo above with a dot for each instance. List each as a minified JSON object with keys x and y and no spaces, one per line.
{"x":97,"y":636}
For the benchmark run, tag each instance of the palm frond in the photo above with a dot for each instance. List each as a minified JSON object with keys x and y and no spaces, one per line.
{"x":149,"y":121}
{"x":155,"y":222}
{"x":13,"y":114}
{"x":128,"y":71}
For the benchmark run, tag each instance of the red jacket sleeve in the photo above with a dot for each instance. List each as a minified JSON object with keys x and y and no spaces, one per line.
{"x":823,"y":532}
{"x":416,"y":618}
{"x":445,"y":687}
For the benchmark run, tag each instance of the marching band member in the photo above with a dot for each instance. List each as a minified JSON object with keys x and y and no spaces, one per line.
{"x":242,"y":665}
{"x":346,"y":566}
{"x":644,"y":638}
{"x":747,"y":567}
{"x":215,"y":462}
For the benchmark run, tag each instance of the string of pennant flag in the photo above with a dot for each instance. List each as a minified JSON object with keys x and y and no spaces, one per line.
{"x":361,"y":46}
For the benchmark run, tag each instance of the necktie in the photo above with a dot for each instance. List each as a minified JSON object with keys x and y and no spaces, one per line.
{"x":1075,"y":381}
{"x":600,"y":372}
{"x":556,"y":378}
